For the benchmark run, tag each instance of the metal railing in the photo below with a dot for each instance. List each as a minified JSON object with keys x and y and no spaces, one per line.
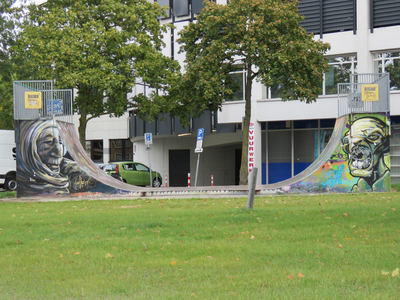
{"x":36,"y":99}
{"x":350,"y":94}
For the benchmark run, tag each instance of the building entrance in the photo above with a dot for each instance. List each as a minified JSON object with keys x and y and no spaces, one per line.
{"x":179,"y":167}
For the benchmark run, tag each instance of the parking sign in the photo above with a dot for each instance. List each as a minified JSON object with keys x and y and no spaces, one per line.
{"x":199,"y":143}
{"x":148,"y":139}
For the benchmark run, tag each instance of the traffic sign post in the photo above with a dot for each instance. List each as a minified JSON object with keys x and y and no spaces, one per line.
{"x":199,"y":143}
{"x":198,"y":150}
{"x":148,"y":140}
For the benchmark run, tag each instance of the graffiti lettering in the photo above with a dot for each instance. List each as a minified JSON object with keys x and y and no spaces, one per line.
{"x":80,"y":184}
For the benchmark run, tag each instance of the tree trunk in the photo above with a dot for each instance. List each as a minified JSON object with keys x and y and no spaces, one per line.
{"x":82,"y":129}
{"x":244,"y":171}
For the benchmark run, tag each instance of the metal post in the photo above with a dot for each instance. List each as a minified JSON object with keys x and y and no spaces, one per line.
{"x":197,"y":169}
{"x":252,"y":188}
{"x":151,"y":177}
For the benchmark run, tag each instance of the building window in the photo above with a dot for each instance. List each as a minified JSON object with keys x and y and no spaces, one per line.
{"x":197,"y":6}
{"x":163,"y":3}
{"x":237,"y":85}
{"x":121,"y":150}
{"x":384,"y":13}
{"x":389,"y":62}
{"x":289,"y":147}
{"x":180,"y":8}
{"x":95,"y":150}
{"x":340,"y":69}
{"x":326,"y":16}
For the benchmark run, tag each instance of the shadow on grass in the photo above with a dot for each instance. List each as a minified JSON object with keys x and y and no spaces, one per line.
{"x":8,"y":194}
{"x":396,"y":187}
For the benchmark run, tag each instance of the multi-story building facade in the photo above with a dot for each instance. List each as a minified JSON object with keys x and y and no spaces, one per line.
{"x":288,"y":136}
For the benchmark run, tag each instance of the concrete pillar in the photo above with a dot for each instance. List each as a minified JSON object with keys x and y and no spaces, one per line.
{"x":364,"y":56}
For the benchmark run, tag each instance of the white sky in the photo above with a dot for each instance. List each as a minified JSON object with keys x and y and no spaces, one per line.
{"x":19,"y":2}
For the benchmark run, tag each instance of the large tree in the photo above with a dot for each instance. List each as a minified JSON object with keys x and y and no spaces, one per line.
{"x":101,"y":48}
{"x":9,"y":23}
{"x":262,"y":37}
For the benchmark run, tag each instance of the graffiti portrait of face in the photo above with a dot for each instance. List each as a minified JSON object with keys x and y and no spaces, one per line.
{"x":50,"y":148}
{"x":365,"y":143}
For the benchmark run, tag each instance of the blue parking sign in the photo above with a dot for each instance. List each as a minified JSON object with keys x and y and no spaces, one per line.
{"x":200,"y":134}
{"x":199,"y":143}
{"x":148,"y":139}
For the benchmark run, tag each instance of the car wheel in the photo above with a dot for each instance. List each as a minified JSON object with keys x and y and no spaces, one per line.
{"x":156,"y":182}
{"x":10,"y":184}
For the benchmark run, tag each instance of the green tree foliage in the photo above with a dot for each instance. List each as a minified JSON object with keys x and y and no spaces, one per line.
{"x":9,"y":21}
{"x":99,"y":47}
{"x":261,"y":36}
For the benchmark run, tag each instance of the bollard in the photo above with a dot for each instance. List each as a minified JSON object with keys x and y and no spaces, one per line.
{"x":212,"y":180}
{"x":252,"y":188}
{"x":188,"y":179}
{"x":166,"y":180}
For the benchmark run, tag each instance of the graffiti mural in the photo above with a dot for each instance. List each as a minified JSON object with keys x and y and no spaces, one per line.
{"x":51,"y":161}
{"x":43,"y":166}
{"x":359,"y":163}
{"x":366,"y":144}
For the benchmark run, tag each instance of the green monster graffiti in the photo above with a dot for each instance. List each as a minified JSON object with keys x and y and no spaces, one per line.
{"x":366,"y":145}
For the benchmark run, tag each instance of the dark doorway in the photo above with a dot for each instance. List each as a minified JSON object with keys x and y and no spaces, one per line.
{"x":179,"y":167}
{"x":238,"y":161}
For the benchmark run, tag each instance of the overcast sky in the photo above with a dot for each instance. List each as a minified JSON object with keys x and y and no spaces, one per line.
{"x":19,"y":2}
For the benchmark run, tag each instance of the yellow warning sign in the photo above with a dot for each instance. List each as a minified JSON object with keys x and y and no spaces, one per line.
{"x":370,"y":92}
{"x":33,"y":100}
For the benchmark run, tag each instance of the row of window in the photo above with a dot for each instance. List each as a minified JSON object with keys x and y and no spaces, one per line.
{"x":321,"y":16}
{"x":340,"y":69}
{"x":181,"y":8}
{"x":120,"y":150}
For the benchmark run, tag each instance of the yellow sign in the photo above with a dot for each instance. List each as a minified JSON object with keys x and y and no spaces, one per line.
{"x":33,"y":100}
{"x":370,"y":92}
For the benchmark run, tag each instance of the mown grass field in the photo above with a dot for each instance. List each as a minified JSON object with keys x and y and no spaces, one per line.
{"x":287,"y":247}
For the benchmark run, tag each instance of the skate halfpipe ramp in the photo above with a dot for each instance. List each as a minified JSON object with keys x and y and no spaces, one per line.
{"x":355,"y":159}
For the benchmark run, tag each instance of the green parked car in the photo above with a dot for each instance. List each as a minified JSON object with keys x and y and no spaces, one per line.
{"x":134,"y":173}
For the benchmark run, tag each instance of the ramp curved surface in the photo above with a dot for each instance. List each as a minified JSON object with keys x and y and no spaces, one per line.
{"x":356,"y":159}
{"x":334,"y":142}
{"x":362,"y":163}
{"x":71,"y":139}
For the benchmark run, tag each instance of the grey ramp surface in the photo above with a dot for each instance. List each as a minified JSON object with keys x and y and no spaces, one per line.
{"x":71,"y":140}
{"x":335,"y":140}
{"x":70,"y":137}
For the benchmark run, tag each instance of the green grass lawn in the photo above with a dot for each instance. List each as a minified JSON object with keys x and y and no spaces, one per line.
{"x":287,"y":247}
